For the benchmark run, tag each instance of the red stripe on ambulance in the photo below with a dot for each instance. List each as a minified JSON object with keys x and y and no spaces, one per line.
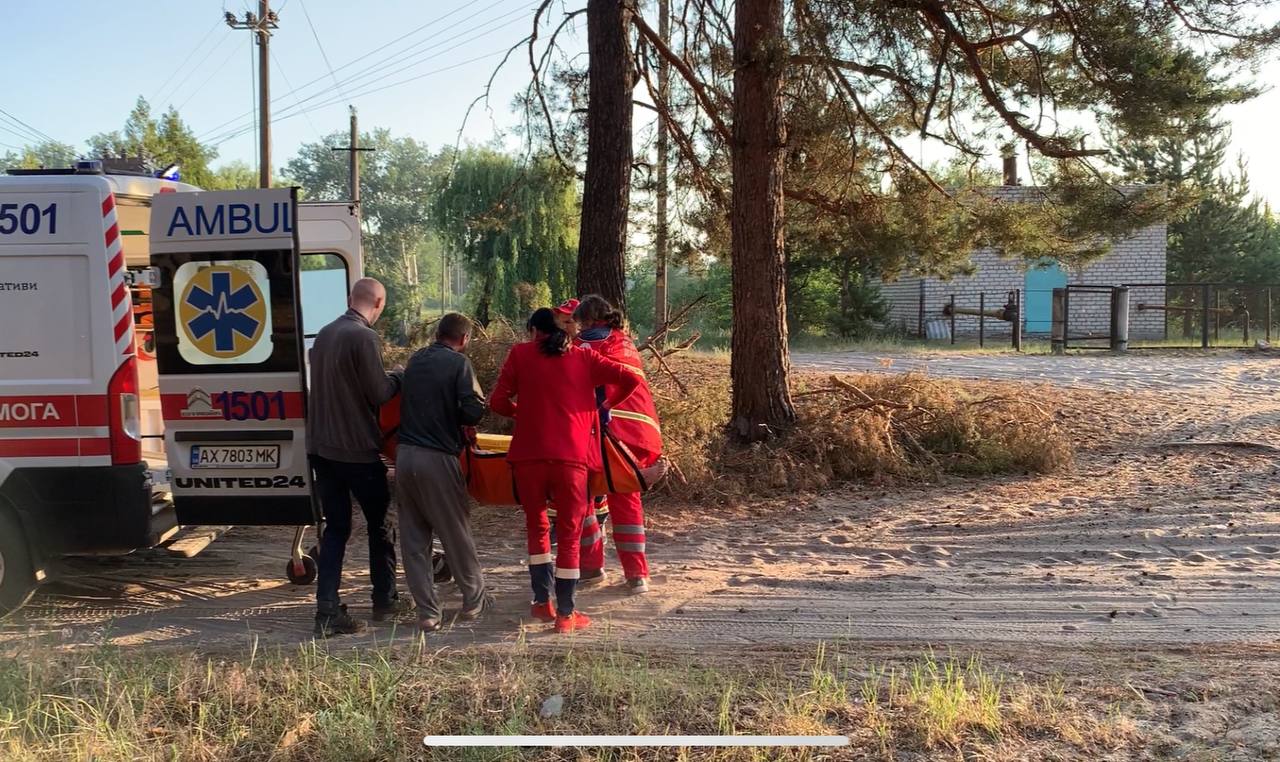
{"x":173,"y":407}
{"x":53,"y":411}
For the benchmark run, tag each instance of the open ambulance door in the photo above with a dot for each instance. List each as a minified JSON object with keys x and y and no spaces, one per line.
{"x":230,"y":356}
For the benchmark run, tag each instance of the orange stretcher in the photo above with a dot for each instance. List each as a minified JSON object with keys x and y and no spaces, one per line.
{"x":489,"y":478}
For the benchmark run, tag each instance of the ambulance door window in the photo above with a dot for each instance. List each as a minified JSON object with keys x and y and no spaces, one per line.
{"x":324,"y":291}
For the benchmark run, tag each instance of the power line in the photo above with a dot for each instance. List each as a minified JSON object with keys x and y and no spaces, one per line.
{"x":42,"y":136}
{"x":290,"y":84}
{"x":486,"y":27}
{"x":216,"y":71}
{"x":323,"y":54}
{"x":24,"y":137}
{"x":215,"y":131}
{"x":159,"y":90}
{"x":194,"y":69}
{"x":335,"y":101}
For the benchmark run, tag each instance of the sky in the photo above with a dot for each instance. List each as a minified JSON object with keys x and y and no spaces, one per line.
{"x":77,"y":71}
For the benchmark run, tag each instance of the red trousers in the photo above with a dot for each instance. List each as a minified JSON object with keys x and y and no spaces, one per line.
{"x":627,"y":516}
{"x":564,"y":485}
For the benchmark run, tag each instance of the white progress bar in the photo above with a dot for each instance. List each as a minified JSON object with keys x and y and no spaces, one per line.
{"x":635,"y":741}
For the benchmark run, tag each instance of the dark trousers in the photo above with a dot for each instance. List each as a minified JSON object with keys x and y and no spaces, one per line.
{"x":336,"y":482}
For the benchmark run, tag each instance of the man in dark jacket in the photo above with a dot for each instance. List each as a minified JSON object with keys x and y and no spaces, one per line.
{"x":440,"y":404}
{"x":348,"y":383}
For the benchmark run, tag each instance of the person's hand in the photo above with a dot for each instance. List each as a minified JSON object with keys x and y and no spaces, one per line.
{"x":469,"y":434}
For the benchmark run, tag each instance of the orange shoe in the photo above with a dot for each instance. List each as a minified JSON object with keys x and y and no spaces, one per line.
{"x":572,"y":623}
{"x":545,"y":612}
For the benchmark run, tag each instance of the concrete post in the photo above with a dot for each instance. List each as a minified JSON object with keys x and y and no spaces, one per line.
{"x":1017,"y":320}
{"x":1120,"y":319}
{"x":1058,"y":336}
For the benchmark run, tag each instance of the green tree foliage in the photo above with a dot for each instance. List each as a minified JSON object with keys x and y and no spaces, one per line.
{"x":41,"y":155}
{"x":398,"y":180}
{"x":158,"y":143}
{"x":234,"y":175}
{"x":514,"y":226}
{"x":1227,"y":235}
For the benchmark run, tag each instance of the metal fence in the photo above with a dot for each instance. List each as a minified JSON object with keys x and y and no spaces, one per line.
{"x":1114,"y":317}
{"x":984,"y":315}
{"x":1206,"y":315}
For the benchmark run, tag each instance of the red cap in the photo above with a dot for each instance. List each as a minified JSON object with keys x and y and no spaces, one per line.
{"x":567,"y":307}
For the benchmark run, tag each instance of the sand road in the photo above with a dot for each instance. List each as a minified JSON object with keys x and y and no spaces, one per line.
{"x":1151,"y":540}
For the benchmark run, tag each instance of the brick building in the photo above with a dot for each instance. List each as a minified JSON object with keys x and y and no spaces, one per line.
{"x":1137,"y":259}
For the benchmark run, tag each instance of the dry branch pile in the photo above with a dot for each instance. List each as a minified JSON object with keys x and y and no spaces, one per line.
{"x":878,"y":428}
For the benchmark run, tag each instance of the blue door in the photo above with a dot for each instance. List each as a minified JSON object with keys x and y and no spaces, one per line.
{"x":1042,"y":279}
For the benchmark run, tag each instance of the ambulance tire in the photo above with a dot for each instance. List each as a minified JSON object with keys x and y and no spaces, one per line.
{"x":314,"y":553}
{"x":308,"y":571}
{"x":17,"y":579}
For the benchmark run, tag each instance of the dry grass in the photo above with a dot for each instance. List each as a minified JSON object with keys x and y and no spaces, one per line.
{"x":877,"y":428}
{"x":312,"y":704}
{"x":870,"y":428}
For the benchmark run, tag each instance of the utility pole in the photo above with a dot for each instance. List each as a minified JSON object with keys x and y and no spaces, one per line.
{"x":353,"y":167}
{"x":261,"y":25}
{"x":661,"y":239}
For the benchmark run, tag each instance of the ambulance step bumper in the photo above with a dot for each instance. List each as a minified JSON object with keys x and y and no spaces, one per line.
{"x":190,"y":541}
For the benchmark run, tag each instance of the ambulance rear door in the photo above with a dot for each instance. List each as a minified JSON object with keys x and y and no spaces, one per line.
{"x":329,"y":234}
{"x":230,"y":356}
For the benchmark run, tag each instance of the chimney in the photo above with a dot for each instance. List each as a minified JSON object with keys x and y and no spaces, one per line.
{"x":1010,"y":156}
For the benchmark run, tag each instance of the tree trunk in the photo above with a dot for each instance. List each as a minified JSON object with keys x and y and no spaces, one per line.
{"x":760,"y":363}
{"x":485,"y":303}
{"x":660,"y":238}
{"x":606,"y":193}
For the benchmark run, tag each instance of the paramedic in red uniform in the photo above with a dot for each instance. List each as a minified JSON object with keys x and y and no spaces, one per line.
{"x":634,"y":422}
{"x":348,"y":383}
{"x":548,"y":386}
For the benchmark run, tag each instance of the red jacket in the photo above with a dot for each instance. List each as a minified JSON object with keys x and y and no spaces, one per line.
{"x":553,"y":400}
{"x":634,"y":420}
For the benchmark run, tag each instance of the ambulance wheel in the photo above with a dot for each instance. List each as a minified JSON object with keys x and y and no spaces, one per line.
{"x":301,"y":571}
{"x":313,"y":553}
{"x":440,"y":568}
{"x":17,"y":580}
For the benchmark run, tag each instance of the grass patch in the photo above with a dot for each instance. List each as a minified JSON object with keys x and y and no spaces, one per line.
{"x":313,"y":704}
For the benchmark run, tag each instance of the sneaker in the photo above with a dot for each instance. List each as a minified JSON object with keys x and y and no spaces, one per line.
{"x":477,"y":610}
{"x":592,"y":578}
{"x":572,"y":623}
{"x":545,"y":612}
{"x":341,"y":623}
{"x":638,"y":585}
{"x":429,"y":625}
{"x":383,"y":612}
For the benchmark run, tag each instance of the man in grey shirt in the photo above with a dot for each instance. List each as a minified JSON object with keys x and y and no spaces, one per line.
{"x":440,"y":405}
{"x":348,"y":383}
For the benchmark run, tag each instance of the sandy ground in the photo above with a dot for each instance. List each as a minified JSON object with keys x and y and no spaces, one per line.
{"x":1165,"y":533}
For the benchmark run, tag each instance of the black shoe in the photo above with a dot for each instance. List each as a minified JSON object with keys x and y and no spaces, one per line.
{"x":592,"y":578}
{"x":341,"y":623}
{"x":385,"y":611}
{"x":477,"y":610}
{"x":440,"y":571}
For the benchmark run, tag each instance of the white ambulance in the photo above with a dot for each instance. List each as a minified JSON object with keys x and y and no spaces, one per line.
{"x":153,"y":360}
